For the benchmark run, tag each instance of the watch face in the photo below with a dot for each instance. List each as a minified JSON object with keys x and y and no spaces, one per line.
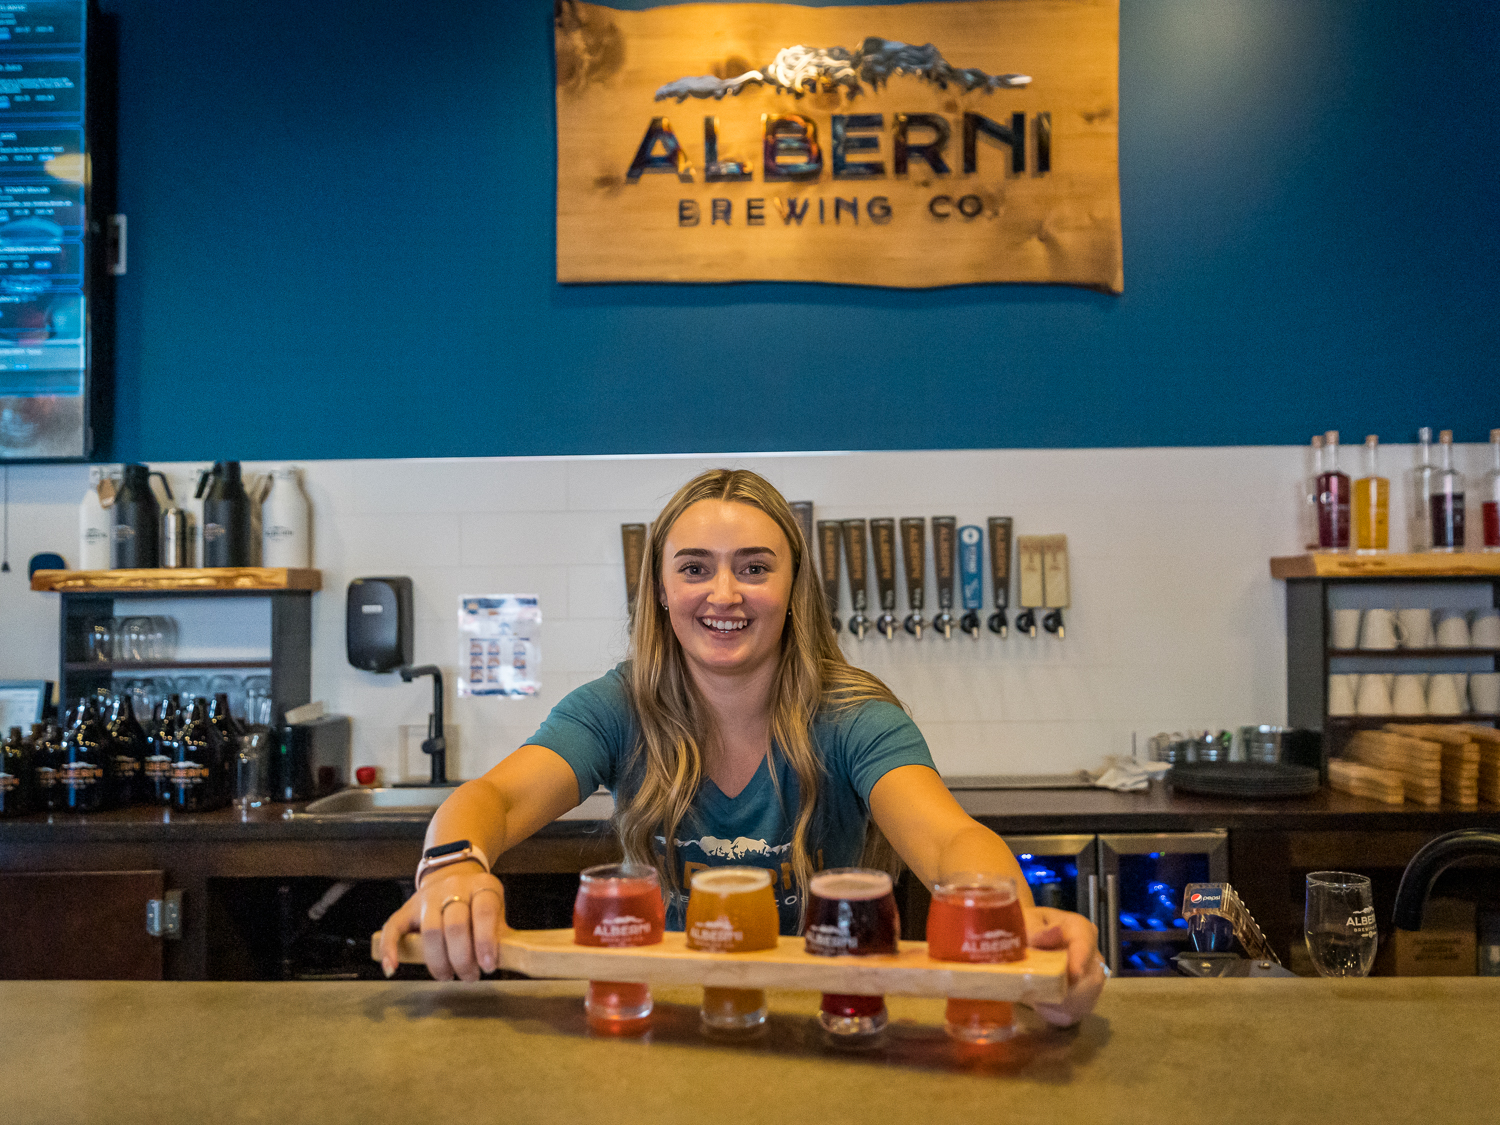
{"x":445,"y":849}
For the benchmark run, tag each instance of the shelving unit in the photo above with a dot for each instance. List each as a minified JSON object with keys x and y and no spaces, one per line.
{"x":1317,"y":584}
{"x":282,"y":627}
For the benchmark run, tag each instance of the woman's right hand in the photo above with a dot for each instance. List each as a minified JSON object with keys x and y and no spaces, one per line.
{"x":460,"y":914}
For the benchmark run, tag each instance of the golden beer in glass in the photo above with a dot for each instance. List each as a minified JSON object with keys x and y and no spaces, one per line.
{"x":732,"y":910}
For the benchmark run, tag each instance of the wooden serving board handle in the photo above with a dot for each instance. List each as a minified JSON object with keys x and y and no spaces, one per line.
{"x":1042,"y":977}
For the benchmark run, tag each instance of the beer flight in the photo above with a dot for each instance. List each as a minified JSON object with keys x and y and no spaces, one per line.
{"x":851,"y":912}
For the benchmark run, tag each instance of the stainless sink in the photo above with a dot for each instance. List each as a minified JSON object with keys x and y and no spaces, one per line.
{"x":420,"y":800}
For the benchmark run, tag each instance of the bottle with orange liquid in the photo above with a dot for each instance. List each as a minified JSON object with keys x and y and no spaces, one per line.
{"x":977,"y":918}
{"x":1372,"y":505}
{"x":619,"y":904}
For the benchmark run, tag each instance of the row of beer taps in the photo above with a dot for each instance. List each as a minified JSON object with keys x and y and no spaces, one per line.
{"x":956,"y":550}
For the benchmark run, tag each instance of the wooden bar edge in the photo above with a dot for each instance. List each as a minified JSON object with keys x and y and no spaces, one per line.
{"x":167,"y":580}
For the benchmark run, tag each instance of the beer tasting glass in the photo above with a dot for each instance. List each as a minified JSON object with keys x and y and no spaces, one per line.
{"x":851,"y":912}
{"x":618,"y":905}
{"x":732,"y":910}
{"x":1340,"y":923}
{"x":977,"y":918}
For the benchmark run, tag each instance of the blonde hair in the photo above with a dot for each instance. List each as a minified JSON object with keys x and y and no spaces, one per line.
{"x":811,"y":676}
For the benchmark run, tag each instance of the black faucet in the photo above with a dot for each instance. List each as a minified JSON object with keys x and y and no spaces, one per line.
{"x":1435,"y":857}
{"x":435,"y":744}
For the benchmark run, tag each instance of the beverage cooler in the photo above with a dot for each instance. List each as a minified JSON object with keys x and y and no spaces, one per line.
{"x":1060,"y":870}
{"x":1142,"y":876}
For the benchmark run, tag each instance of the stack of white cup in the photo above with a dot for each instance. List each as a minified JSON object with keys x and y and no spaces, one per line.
{"x":1414,"y":693}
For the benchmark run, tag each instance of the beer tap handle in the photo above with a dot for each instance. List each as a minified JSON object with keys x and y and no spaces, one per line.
{"x":944,"y":532}
{"x":883,"y":542}
{"x":971,"y":571}
{"x":1000,"y":536}
{"x":1029,"y":568}
{"x":859,"y":584}
{"x":828,"y":566}
{"x":1055,"y":585}
{"x":914,"y":562}
{"x":633,"y":546}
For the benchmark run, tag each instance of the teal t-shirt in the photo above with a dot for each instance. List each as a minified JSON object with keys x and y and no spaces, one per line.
{"x":595,"y":732}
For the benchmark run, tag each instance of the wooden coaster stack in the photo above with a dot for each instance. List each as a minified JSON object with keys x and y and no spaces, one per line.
{"x":1487,"y":743}
{"x":1366,"y":781}
{"x":1460,"y":755}
{"x":1417,"y":762}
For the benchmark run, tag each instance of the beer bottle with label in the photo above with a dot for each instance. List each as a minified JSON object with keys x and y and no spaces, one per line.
{"x":226,"y":731}
{"x":15,"y":775}
{"x":161,"y":752}
{"x":197,"y":774}
{"x":46,"y":758}
{"x":129,"y":749}
{"x":83,"y":774}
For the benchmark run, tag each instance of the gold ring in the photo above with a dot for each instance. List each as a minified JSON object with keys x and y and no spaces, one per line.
{"x":449,"y":901}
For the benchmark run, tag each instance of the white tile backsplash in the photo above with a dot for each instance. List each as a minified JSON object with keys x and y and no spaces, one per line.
{"x":1175,"y":623}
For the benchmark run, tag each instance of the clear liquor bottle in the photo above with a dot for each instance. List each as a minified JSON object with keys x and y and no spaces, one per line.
{"x":1309,"y":520}
{"x":1372,"y":505}
{"x":1490,"y":499}
{"x":1420,"y":523}
{"x":1333,"y":498}
{"x":1445,"y":501}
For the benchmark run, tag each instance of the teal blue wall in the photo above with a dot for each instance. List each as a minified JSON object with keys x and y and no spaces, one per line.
{"x":341,"y":220}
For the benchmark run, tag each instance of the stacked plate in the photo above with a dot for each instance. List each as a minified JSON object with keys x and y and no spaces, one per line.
{"x":1252,"y":780}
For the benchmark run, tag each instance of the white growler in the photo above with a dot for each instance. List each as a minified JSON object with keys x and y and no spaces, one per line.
{"x":285,"y":522}
{"x":93,"y":526}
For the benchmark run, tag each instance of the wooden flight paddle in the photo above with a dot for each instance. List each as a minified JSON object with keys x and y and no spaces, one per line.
{"x":1041,"y":977}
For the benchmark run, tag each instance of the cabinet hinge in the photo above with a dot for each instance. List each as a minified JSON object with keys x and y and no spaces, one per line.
{"x":164,"y":915}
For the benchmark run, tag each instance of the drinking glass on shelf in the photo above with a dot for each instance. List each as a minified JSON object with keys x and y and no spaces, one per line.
{"x":258,"y":700}
{"x":191,"y":688}
{"x":135,"y":640}
{"x":231,"y":686}
{"x":1340,"y":923}
{"x":161,"y":637}
{"x":143,"y":696}
{"x":99,"y":639}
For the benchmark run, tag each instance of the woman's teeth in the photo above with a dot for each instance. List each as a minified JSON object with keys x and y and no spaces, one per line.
{"x":724,"y":626}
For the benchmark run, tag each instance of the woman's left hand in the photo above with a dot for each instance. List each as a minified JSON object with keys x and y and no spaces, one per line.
{"x":1047,"y":928}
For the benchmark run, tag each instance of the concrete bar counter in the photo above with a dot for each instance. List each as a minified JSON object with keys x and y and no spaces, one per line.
{"x":1262,"y":1051}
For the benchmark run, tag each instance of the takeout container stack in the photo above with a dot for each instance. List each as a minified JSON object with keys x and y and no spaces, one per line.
{"x":1416,"y":762}
{"x":1460,"y":758}
{"x":1366,"y":781}
{"x":1425,"y":763}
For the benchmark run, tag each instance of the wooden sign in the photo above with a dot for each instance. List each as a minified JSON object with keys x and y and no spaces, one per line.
{"x":906,"y":145}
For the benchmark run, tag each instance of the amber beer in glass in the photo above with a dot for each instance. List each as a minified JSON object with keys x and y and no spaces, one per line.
{"x":732,"y":910}
{"x":618,"y":905}
{"x":977,"y":918}
{"x":851,"y":912}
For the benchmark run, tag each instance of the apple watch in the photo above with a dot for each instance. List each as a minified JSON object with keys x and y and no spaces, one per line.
{"x":440,"y":855}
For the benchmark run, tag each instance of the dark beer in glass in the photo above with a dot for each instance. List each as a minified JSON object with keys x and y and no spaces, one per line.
{"x":851,"y":912}
{"x":619,"y":905}
{"x":977,"y":918}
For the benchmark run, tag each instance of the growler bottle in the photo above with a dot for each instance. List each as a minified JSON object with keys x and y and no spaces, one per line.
{"x":84,"y":772}
{"x":161,"y":752}
{"x":198,"y":772}
{"x":47,"y":759}
{"x":15,"y":775}
{"x":128,"y":751}
{"x":226,"y":516}
{"x":135,"y":521}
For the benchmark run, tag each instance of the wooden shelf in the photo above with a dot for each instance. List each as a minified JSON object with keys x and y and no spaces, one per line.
{"x":181,"y":580}
{"x":1403,"y":653}
{"x":162,"y":665}
{"x":1464,"y":564}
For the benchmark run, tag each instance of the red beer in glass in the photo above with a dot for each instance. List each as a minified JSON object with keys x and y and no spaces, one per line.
{"x":977,"y":918}
{"x":851,"y":912}
{"x":618,"y":905}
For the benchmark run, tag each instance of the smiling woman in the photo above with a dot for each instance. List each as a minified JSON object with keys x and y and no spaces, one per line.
{"x":737,"y":733}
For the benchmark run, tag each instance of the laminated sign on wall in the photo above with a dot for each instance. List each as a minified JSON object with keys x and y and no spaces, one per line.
{"x":902,"y":144}
{"x":499,"y":642}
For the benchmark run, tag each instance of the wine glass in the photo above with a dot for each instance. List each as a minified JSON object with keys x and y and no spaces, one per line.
{"x":1340,"y":923}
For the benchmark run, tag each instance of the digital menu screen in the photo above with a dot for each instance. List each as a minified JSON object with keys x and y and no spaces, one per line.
{"x":44,"y":201}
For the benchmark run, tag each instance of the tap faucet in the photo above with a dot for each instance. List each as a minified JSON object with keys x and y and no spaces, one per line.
{"x":434,"y":745}
{"x":1435,"y":857}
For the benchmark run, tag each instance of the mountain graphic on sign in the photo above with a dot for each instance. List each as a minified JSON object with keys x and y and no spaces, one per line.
{"x":738,"y":848}
{"x":799,"y":70}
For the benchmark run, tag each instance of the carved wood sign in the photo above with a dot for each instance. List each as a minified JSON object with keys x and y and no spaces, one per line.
{"x":908,"y":145}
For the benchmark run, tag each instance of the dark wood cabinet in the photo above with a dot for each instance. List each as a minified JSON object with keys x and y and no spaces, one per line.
{"x":79,"y":925}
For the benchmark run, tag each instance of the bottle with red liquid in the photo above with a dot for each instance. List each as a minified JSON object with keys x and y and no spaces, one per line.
{"x":1490,"y":499}
{"x":851,"y":912}
{"x":977,"y":918}
{"x":1333,"y":499}
{"x":619,"y":905}
{"x":1445,"y":503}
